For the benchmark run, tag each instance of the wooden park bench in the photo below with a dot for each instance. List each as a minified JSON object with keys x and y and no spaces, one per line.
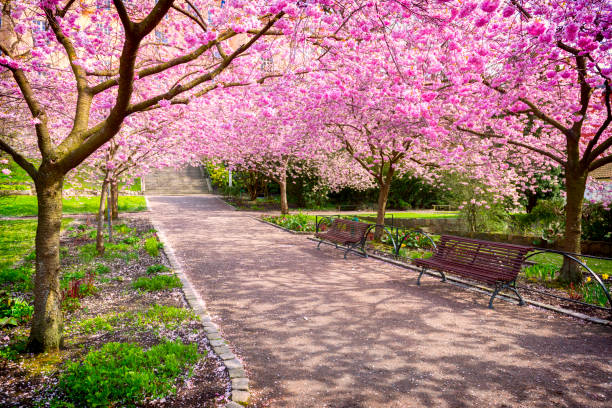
{"x":351,"y":234}
{"x":493,"y":263}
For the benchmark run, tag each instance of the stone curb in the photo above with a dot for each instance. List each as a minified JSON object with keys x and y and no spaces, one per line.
{"x":240,"y":394}
{"x":283,"y":228}
{"x":483,"y":289}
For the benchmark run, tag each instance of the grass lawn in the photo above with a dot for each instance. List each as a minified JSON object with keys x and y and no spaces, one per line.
{"x":17,"y":239}
{"x":437,"y":214}
{"x":19,"y":206}
{"x":599,"y":266}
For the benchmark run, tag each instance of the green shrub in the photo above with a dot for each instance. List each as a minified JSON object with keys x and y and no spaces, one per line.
{"x":14,"y":311}
{"x":88,"y":252}
{"x":18,"y":345}
{"x":123,"y":374}
{"x":22,"y":274}
{"x":130,"y":240}
{"x":541,"y":272}
{"x":294,"y":222}
{"x":99,"y":323}
{"x":597,"y":223}
{"x":69,"y":276}
{"x":594,"y":294}
{"x":123,"y":229}
{"x":101,"y":269}
{"x":170,"y":317}
{"x":152,"y":246}
{"x":157,"y":268}
{"x":71,"y":304}
{"x":159,"y":282}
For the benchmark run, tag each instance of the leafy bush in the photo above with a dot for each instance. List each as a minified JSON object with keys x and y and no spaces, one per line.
{"x":80,"y":287}
{"x":157,"y":268}
{"x":131,"y":240}
{"x":123,"y":229}
{"x":152,"y":246}
{"x":99,"y":323}
{"x":101,"y":269}
{"x":159,"y":282}
{"x":170,"y":317}
{"x":88,"y":252}
{"x":416,"y":240}
{"x":123,"y":374}
{"x":17,"y":346}
{"x":594,"y":294}
{"x":22,"y":274}
{"x":14,"y":311}
{"x":597,"y":223}
{"x":293,"y":222}
{"x":541,"y":272}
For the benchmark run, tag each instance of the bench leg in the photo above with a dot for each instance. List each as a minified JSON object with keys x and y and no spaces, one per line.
{"x":495,"y":292}
{"x":512,"y":287}
{"x":365,"y":254}
{"x":420,"y":274}
{"x":319,"y":246}
{"x":347,"y":251}
{"x":520,"y":298}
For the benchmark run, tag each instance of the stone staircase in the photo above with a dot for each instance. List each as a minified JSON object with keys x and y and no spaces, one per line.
{"x":189,"y":180}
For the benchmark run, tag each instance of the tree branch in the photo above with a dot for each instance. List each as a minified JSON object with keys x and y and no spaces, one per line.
{"x":128,"y":25}
{"x":589,"y":153}
{"x":19,"y":159}
{"x":600,"y":163}
{"x":183,"y":59}
{"x":515,"y":143}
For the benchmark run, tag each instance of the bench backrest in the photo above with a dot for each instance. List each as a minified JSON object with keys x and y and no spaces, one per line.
{"x":354,"y":229}
{"x":498,"y":259}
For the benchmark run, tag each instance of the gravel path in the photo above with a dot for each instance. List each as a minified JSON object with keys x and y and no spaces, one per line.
{"x":315,"y":330}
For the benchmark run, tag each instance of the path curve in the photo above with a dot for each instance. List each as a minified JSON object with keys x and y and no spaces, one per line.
{"x":315,"y":330}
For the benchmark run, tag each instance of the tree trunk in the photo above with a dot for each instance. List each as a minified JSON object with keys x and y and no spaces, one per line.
{"x":575,"y":183}
{"x":532,"y":200}
{"x":100,"y":234}
{"x":282,"y":182}
{"x":114,"y":199}
{"x":47,"y":325}
{"x":383,"y":196}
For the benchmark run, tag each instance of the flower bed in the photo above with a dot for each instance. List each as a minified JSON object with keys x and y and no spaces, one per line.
{"x":129,"y":334}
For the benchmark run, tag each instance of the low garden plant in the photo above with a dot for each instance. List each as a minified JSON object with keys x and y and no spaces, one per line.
{"x":122,"y":373}
{"x":156,"y":343}
{"x":156,"y":283}
{"x":294,"y":222}
{"x":152,"y":246}
{"x":157,"y":268}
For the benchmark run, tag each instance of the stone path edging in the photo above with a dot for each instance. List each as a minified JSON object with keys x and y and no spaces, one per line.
{"x":240,"y":393}
{"x":483,"y":289}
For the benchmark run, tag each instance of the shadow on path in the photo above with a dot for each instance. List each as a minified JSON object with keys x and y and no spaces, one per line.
{"x":315,"y":330}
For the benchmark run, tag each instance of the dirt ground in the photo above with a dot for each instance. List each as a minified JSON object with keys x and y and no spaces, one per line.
{"x":315,"y":330}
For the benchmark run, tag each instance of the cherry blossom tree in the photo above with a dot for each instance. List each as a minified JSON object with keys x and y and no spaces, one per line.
{"x":544,"y":63}
{"x":73,"y":71}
